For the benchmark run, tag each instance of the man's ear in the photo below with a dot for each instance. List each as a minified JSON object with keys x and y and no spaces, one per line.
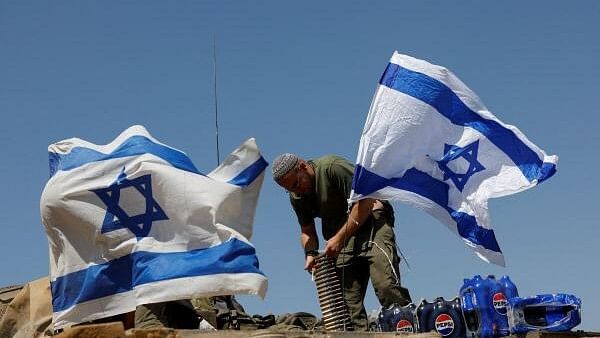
{"x":302,"y":165}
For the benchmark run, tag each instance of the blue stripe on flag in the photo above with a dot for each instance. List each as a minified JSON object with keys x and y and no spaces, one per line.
{"x":420,"y":183}
{"x":447,"y":103}
{"x":469,"y":229}
{"x":249,"y":174}
{"x":548,"y":169}
{"x":135,"y":145}
{"x":125,"y":273}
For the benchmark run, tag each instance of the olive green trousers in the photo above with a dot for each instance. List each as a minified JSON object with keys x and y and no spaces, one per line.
{"x":373,"y":256}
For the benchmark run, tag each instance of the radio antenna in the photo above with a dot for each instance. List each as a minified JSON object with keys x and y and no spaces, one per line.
{"x":216,"y":98}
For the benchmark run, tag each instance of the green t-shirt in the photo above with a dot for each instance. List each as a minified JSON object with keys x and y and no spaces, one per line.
{"x":333,"y":183}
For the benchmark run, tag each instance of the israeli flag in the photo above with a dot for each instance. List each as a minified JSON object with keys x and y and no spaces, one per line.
{"x":429,"y":141}
{"x":134,"y":222}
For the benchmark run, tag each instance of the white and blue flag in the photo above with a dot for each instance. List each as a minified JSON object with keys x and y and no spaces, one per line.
{"x":134,"y":222}
{"x":429,"y":141}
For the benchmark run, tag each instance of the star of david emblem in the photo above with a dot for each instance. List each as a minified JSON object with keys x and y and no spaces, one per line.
{"x":454,"y":152}
{"x":117,"y":218}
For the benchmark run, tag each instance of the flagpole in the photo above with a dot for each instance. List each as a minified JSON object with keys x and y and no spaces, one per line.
{"x":216,"y":100}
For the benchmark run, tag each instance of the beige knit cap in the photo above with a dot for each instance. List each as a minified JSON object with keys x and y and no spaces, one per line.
{"x":283,"y":164}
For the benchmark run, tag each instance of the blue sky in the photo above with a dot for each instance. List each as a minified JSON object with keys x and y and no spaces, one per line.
{"x":299,"y":77}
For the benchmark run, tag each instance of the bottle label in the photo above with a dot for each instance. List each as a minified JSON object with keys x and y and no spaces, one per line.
{"x":500,"y":302}
{"x":444,"y":324}
{"x":404,"y":326}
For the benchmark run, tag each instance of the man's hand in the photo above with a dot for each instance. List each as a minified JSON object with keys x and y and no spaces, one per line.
{"x":334,"y":246}
{"x":310,"y":264}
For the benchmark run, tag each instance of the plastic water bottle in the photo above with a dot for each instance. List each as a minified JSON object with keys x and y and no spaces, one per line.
{"x":470,"y":313}
{"x":484,"y":305}
{"x":499,"y":302}
{"x":398,"y":318}
{"x":423,"y":314}
{"x":446,"y":318}
{"x":549,"y":312}
{"x":442,"y":316}
{"x":510,"y":289}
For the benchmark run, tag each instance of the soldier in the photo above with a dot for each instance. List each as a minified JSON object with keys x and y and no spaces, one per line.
{"x":362,"y":240}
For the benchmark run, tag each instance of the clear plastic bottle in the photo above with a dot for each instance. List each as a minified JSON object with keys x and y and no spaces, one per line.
{"x":423,"y":313}
{"x":498,"y":302}
{"x":446,"y":318}
{"x":470,"y":313}
{"x":549,"y":312}
{"x":510,"y":289}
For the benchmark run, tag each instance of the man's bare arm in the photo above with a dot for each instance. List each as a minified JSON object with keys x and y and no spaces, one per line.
{"x":358,"y":215}
{"x":310,"y":243}
{"x":308,"y":237}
